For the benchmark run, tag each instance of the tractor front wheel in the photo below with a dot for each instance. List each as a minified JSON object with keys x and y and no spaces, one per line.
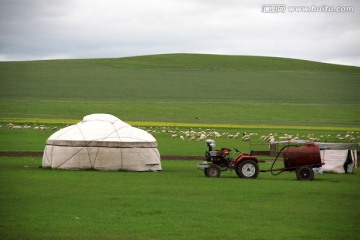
{"x":305,"y":173}
{"x":248,"y":169}
{"x":212,"y":171}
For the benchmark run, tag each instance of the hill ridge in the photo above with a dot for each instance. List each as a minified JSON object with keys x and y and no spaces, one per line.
{"x":199,"y":61}
{"x":224,"y":62}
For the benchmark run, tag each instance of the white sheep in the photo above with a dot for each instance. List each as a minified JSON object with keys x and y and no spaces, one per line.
{"x":202,"y":137}
{"x":43,"y":127}
{"x":246,"y":138}
{"x":217,"y":135}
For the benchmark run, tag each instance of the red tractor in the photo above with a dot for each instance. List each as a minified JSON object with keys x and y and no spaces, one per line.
{"x":216,"y":161}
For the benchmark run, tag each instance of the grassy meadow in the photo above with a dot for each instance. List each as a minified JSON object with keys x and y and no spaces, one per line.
{"x":177,"y":203}
{"x":171,"y":93}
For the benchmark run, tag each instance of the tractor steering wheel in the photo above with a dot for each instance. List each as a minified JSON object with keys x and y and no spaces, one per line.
{"x":236,"y":150}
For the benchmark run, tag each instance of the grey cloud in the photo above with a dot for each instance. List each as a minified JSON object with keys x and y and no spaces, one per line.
{"x":91,"y":29}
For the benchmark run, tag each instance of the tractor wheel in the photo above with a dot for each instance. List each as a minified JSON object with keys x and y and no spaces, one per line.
{"x":212,"y":171}
{"x":248,"y":169}
{"x":305,"y":173}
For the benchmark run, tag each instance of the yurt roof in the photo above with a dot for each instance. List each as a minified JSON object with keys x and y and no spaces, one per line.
{"x":102,"y":130}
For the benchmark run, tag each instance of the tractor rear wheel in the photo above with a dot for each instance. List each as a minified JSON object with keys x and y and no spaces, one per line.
{"x":305,"y":173}
{"x":248,"y":169}
{"x":212,"y":171}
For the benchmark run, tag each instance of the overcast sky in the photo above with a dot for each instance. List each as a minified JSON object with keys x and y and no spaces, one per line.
{"x":57,"y":29}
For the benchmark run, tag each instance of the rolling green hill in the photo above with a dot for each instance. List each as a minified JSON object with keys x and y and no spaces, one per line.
{"x":184,"y":88}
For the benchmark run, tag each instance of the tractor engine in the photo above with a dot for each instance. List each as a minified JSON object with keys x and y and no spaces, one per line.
{"x":219,"y":157}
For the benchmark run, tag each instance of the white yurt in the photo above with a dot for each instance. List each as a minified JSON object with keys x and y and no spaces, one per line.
{"x":102,"y":142}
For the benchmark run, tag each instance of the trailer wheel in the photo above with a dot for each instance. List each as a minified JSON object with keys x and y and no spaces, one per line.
{"x":212,"y":171}
{"x":248,"y":169}
{"x":305,"y":173}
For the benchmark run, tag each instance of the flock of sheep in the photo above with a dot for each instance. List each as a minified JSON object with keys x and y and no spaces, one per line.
{"x":35,"y":127}
{"x":201,"y":135}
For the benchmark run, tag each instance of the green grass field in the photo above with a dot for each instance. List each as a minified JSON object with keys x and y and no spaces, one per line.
{"x":177,"y":92}
{"x":177,"y":203}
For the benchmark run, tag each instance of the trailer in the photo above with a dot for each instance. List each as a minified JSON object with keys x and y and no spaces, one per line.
{"x":301,"y":159}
